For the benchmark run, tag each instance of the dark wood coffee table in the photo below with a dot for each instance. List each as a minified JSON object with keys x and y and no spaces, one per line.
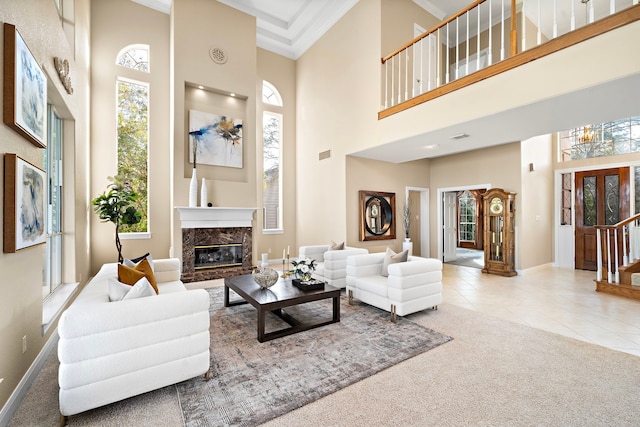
{"x":281,"y":295}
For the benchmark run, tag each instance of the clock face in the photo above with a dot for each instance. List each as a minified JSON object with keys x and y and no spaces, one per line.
{"x":495,"y":206}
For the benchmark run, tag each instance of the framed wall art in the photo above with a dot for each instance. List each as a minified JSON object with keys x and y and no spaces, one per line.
{"x":25,"y":89}
{"x":24,"y":204}
{"x":218,"y":139}
{"x":377,"y":215}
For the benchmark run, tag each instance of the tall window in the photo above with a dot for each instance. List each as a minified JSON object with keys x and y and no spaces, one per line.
{"x":600,"y":140}
{"x":52,"y":274}
{"x":467,"y":209}
{"x":272,"y":159}
{"x":133,"y":130}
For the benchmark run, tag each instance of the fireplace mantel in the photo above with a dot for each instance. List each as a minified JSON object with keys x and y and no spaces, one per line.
{"x":215,"y":217}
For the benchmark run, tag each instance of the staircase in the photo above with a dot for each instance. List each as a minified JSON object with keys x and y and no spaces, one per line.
{"x":619,"y":258}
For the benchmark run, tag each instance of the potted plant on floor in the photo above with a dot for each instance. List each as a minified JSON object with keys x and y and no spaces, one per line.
{"x":116,"y":205}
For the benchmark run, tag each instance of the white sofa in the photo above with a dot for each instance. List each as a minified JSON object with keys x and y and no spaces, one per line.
{"x":331,"y":264}
{"x":411,"y":286}
{"x":110,"y":351}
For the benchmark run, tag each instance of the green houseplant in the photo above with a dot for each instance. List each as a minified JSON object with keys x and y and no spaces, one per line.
{"x":116,"y":205}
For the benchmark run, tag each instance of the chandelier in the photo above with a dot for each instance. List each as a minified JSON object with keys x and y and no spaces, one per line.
{"x":586,"y":135}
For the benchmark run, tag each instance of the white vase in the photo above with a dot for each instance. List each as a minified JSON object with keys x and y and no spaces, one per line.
{"x":193,"y":190}
{"x":203,"y":194}
{"x":408,"y":244}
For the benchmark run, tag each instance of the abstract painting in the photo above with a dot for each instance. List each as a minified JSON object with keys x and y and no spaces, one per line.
{"x":25,"y":89}
{"x":215,"y":140}
{"x":24,"y":204}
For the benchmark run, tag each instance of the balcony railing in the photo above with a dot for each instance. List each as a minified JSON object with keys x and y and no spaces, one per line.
{"x":484,"y":34}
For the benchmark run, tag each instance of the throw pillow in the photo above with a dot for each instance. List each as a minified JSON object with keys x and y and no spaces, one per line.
{"x":135,"y":261}
{"x":142,"y":288}
{"x":130,"y":275}
{"x":119,"y":291}
{"x":336,"y":246}
{"x":390,"y":257}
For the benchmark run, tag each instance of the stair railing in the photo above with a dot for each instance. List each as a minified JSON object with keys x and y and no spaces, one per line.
{"x":476,"y":37}
{"x":611,"y":240}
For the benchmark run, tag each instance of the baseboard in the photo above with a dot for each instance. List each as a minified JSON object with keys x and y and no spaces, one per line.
{"x":535,"y":268}
{"x":27,"y":380}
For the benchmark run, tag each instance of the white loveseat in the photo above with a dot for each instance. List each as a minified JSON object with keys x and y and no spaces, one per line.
{"x":411,"y":286}
{"x":331,"y":264}
{"x":110,"y":351}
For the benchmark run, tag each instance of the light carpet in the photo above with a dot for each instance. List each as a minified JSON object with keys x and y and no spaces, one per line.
{"x":494,"y":373}
{"x":254,"y":382}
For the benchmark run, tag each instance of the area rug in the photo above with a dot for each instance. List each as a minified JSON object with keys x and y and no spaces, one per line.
{"x":254,"y":382}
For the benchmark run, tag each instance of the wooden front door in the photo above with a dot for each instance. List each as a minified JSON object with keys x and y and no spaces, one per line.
{"x":602,"y":198}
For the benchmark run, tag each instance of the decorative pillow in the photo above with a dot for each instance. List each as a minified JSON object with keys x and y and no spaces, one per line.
{"x":130,"y":275}
{"x":390,"y":257}
{"x":333,"y":246}
{"x":119,"y":291}
{"x":135,"y":261}
{"x":142,"y":288}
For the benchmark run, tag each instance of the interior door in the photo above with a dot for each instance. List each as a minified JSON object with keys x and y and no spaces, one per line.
{"x":450,"y":226}
{"x":602,"y":198}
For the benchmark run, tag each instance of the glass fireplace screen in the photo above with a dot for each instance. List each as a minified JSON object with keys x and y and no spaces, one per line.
{"x":216,"y":256}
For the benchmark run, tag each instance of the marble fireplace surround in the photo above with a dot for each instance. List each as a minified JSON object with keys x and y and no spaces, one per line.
{"x":215,"y":226}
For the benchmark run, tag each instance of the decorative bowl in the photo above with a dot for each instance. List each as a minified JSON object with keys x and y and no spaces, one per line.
{"x":265,"y":277}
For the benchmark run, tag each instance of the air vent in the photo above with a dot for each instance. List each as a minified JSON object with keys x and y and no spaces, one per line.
{"x":218,"y":55}
{"x":324,"y":155}
{"x":459,"y":136}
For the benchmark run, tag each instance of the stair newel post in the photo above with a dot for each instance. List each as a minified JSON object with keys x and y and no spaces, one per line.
{"x":599,"y":256}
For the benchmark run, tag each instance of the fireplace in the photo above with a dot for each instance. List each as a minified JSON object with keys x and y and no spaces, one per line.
{"x":217,"y":256}
{"x":216,"y":242}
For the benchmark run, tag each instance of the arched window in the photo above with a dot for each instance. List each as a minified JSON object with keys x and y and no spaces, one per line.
{"x":132,"y":108}
{"x":271,"y":160}
{"x":270,"y":94}
{"x":135,"y":57}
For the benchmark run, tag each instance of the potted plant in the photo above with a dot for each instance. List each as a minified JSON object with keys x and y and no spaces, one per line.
{"x":116,"y":205}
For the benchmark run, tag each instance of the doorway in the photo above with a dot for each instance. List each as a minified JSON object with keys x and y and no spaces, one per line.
{"x":602,"y":198}
{"x":460,"y":218}
{"x":418,"y":200}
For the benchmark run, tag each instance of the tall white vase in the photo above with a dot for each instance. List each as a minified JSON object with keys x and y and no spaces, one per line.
{"x":193,"y":190}
{"x":203,"y":194}
{"x":408,"y":244}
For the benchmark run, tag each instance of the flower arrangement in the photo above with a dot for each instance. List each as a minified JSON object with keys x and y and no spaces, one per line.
{"x":303,"y":268}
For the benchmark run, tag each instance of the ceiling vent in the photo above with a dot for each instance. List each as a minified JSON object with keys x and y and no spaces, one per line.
{"x":218,"y":55}
{"x":459,"y":136}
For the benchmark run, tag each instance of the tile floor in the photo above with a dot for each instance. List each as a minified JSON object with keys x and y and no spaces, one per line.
{"x":556,"y":300}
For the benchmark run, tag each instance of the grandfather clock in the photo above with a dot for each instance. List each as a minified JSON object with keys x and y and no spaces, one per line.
{"x":499,"y":222}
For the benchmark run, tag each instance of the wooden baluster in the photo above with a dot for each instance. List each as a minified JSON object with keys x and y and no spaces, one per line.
{"x":625,"y":256}
{"x":514,"y":33}
{"x":478,"y":37}
{"x":467,"y":43}
{"x":457,"y":48}
{"x":573,"y":16}
{"x":539,"y":38}
{"x":393,"y":80}
{"x":591,"y":12}
{"x":599,"y":255}
{"x":490,"y":58}
{"x":615,"y":248}
{"x":524,"y":28}
{"x":612,"y":7}
{"x":438,"y":50}
{"x":406,"y":74}
{"x":609,"y":275}
{"x":386,"y":84}
{"x":555,"y":19}
{"x":447,"y":67}
{"x":502,"y":33}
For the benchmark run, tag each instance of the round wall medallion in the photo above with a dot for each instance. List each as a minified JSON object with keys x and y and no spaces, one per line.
{"x":218,"y":55}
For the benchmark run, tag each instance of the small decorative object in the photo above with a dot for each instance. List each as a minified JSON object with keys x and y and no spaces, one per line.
{"x":62,"y":67}
{"x":24,"y":204}
{"x":25,"y":89}
{"x":303,"y":268}
{"x":265,"y":262}
{"x":203,"y":194}
{"x":265,"y":277}
{"x":308,"y":285}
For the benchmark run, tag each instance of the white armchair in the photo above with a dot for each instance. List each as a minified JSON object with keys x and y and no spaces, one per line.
{"x":331,"y":264}
{"x":411,"y":286}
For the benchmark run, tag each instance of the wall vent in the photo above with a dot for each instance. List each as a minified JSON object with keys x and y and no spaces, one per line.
{"x":218,"y":55}
{"x":324,"y":155}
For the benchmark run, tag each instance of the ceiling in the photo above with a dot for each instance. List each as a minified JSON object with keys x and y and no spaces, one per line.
{"x":290,"y":27}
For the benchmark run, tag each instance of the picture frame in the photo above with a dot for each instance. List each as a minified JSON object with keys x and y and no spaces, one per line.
{"x":218,"y":139}
{"x":25,"y":89}
{"x":25,"y":204}
{"x":377,"y":215}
